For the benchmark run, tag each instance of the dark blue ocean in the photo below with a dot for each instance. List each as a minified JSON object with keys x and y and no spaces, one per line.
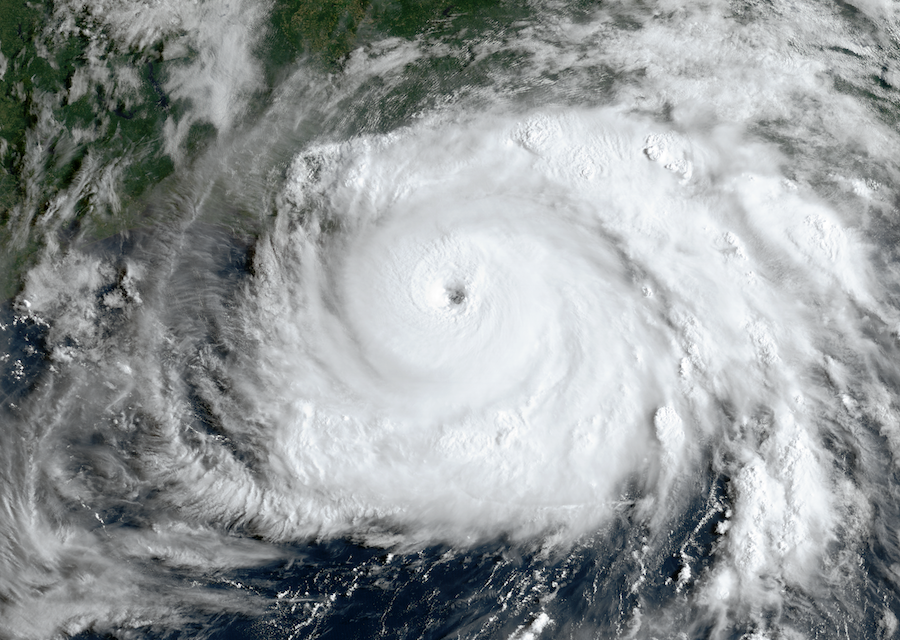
{"x":426,"y":319}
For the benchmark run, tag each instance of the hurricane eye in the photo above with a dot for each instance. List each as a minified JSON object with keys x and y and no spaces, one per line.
{"x":456,"y":295}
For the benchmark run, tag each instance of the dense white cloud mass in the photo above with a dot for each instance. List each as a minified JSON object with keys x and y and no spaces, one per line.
{"x":626,"y":291}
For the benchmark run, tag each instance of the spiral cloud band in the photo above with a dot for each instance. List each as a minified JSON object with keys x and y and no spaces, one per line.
{"x":596,"y":334}
{"x":446,"y":352}
{"x":480,"y":372}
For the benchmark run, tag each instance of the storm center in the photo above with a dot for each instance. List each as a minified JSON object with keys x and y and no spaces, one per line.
{"x":456,"y":294}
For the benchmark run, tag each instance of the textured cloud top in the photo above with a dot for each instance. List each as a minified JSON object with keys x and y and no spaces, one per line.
{"x":596,"y":307}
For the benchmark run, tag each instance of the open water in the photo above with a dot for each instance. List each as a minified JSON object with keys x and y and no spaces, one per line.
{"x":428,"y":320}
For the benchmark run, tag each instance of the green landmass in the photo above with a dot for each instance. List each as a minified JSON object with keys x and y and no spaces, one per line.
{"x":94,"y":147}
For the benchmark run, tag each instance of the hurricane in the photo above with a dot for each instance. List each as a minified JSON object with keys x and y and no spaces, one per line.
{"x":450,"y":320}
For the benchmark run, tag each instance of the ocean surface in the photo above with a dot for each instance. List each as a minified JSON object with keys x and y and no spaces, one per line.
{"x":426,"y":319}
